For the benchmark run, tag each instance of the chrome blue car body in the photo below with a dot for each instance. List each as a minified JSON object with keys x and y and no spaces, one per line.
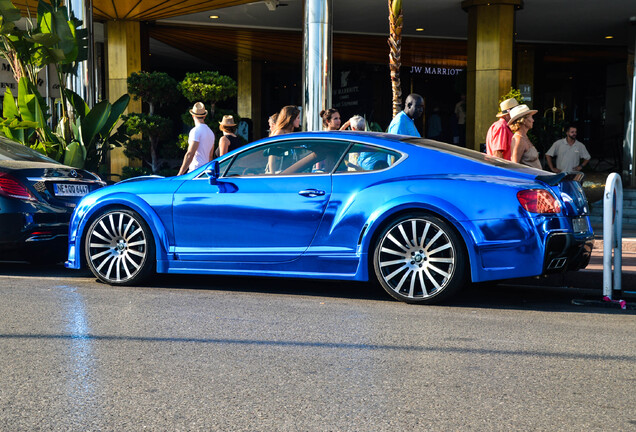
{"x":315,"y":213}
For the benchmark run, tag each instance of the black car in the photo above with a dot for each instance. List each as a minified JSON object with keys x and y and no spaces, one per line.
{"x":37,"y":197}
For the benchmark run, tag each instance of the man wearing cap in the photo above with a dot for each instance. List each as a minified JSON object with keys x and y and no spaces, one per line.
{"x":200,"y":141}
{"x":499,"y":135}
{"x":404,"y":123}
{"x":571,"y":154}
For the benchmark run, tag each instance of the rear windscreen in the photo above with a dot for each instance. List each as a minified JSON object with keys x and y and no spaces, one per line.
{"x":17,"y":152}
{"x":460,"y":151}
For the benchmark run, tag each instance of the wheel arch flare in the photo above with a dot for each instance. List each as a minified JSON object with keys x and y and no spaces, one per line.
{"x":86,"y":212}
{"x":433,"y":206}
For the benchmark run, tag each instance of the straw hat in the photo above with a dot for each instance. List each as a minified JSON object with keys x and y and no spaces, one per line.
{"x":228,"y":120}
{"x":198,"y":110}
{"x":520,"y":111}
{"x":506,"y":106}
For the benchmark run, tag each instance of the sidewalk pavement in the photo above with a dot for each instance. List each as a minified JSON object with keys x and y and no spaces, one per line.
{"x":592,"y":276}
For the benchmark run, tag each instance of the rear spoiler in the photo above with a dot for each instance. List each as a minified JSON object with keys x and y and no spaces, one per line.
{"x":555,"y":179}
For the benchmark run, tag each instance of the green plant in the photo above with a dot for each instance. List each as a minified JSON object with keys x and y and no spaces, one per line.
{"x":207,"y":86}
{"x":512,"y":93}
{"x":130,"y":172}
{"x":81,"y":137}
{"x":153,"y":128}
{"x":24,"y":120}
{"x":82,"y":143}
{"x":92,"y":131}
{"x":182,"y":141}
{"x":66,"y":46}
{"x":13,"y":126}
{"x":154,"y":88}
{"x":28,"y":51}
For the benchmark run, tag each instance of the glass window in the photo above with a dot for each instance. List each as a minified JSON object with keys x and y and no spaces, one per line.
{"x":17,"y":152}
{"x":291,"y":157}
{"x":223,"y":166}
{"x":362,"y":157}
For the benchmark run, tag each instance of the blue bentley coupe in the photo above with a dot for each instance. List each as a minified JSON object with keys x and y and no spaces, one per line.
{"x":420,"y":217}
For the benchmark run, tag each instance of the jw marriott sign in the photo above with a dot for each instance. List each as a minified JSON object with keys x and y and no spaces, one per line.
{"x":434,"y":70}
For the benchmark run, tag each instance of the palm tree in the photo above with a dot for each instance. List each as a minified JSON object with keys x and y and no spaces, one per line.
{"x":395,"y":52}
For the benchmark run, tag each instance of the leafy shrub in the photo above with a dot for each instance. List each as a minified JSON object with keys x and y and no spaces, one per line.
{"x":207,"y":86}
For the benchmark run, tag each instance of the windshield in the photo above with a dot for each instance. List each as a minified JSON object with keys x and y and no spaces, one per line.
{"x":10,"y":151}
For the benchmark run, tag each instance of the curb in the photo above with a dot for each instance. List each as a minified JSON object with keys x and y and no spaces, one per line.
{"x":628,"y":244}
{"x":583,"y":279}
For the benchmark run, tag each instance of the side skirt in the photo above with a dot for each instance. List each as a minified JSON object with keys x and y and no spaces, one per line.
{"x":343,"y":267}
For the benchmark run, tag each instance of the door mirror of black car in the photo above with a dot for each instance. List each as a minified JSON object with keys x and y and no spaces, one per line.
{"x":213,"y":172}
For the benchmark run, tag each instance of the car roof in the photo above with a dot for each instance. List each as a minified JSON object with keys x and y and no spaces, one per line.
{"x":382,"y":138}
{"x":370,"y":137}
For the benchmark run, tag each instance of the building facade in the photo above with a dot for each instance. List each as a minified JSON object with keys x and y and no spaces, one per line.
{"x":572,"y":64}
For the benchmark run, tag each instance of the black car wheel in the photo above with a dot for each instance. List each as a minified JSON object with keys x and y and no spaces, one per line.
{"x":419,"y":259}
{"x":119,"y":247}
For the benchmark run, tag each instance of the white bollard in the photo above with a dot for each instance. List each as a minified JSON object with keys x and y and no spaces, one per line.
{"x":612,"y":234}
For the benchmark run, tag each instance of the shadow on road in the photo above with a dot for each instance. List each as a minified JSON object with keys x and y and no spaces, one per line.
{"x":25,"y":269}
{"x":506,"y":295}
{"x":510,"y":295}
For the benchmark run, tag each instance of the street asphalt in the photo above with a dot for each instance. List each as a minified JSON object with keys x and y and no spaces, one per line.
{"x":251,"y":354}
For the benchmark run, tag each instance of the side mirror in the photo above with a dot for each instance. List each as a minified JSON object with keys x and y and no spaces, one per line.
{"x":213,"y":172}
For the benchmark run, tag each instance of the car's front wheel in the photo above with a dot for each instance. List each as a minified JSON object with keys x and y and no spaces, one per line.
{"x":119,"y":247}
{"x":419,"y":258}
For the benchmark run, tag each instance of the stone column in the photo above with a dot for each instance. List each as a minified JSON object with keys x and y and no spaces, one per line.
{"x":490,"y":56}
{"x":317,"y":42}
{"x":249,"y":93}
{"x":123,"y":47}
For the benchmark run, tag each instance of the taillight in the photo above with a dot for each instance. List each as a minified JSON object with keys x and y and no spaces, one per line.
{"x":538,"y":201}
{"x":12,"y":188}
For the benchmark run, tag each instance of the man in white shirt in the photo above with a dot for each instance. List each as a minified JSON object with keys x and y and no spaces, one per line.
{"x":571,"y":154}
{"x":200,"y":141}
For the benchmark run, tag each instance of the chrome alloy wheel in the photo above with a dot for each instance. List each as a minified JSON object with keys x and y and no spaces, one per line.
{"x":117,"y":247}
{"x":416,"y":259}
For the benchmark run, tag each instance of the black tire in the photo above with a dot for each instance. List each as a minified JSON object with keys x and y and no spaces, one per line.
{"x":419,"y":258}
{"x":119,"y":247}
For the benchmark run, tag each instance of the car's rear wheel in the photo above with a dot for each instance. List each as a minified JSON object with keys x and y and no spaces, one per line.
{"x":119,"y":247}
{"x":419,"y":258}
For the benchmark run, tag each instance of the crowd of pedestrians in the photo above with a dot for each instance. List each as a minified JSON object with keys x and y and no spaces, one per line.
{"x":507,"y":138}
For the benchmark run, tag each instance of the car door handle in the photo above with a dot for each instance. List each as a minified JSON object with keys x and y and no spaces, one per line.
{"x":311,"y":192}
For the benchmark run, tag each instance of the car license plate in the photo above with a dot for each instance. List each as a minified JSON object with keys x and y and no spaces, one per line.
{"x":579,"y":225}
{"x":63,"y":189}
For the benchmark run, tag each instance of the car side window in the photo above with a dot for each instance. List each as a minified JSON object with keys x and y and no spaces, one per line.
{"x":362,"y":157}
{"x":224,"y":165}
{"x":290,"y":157}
